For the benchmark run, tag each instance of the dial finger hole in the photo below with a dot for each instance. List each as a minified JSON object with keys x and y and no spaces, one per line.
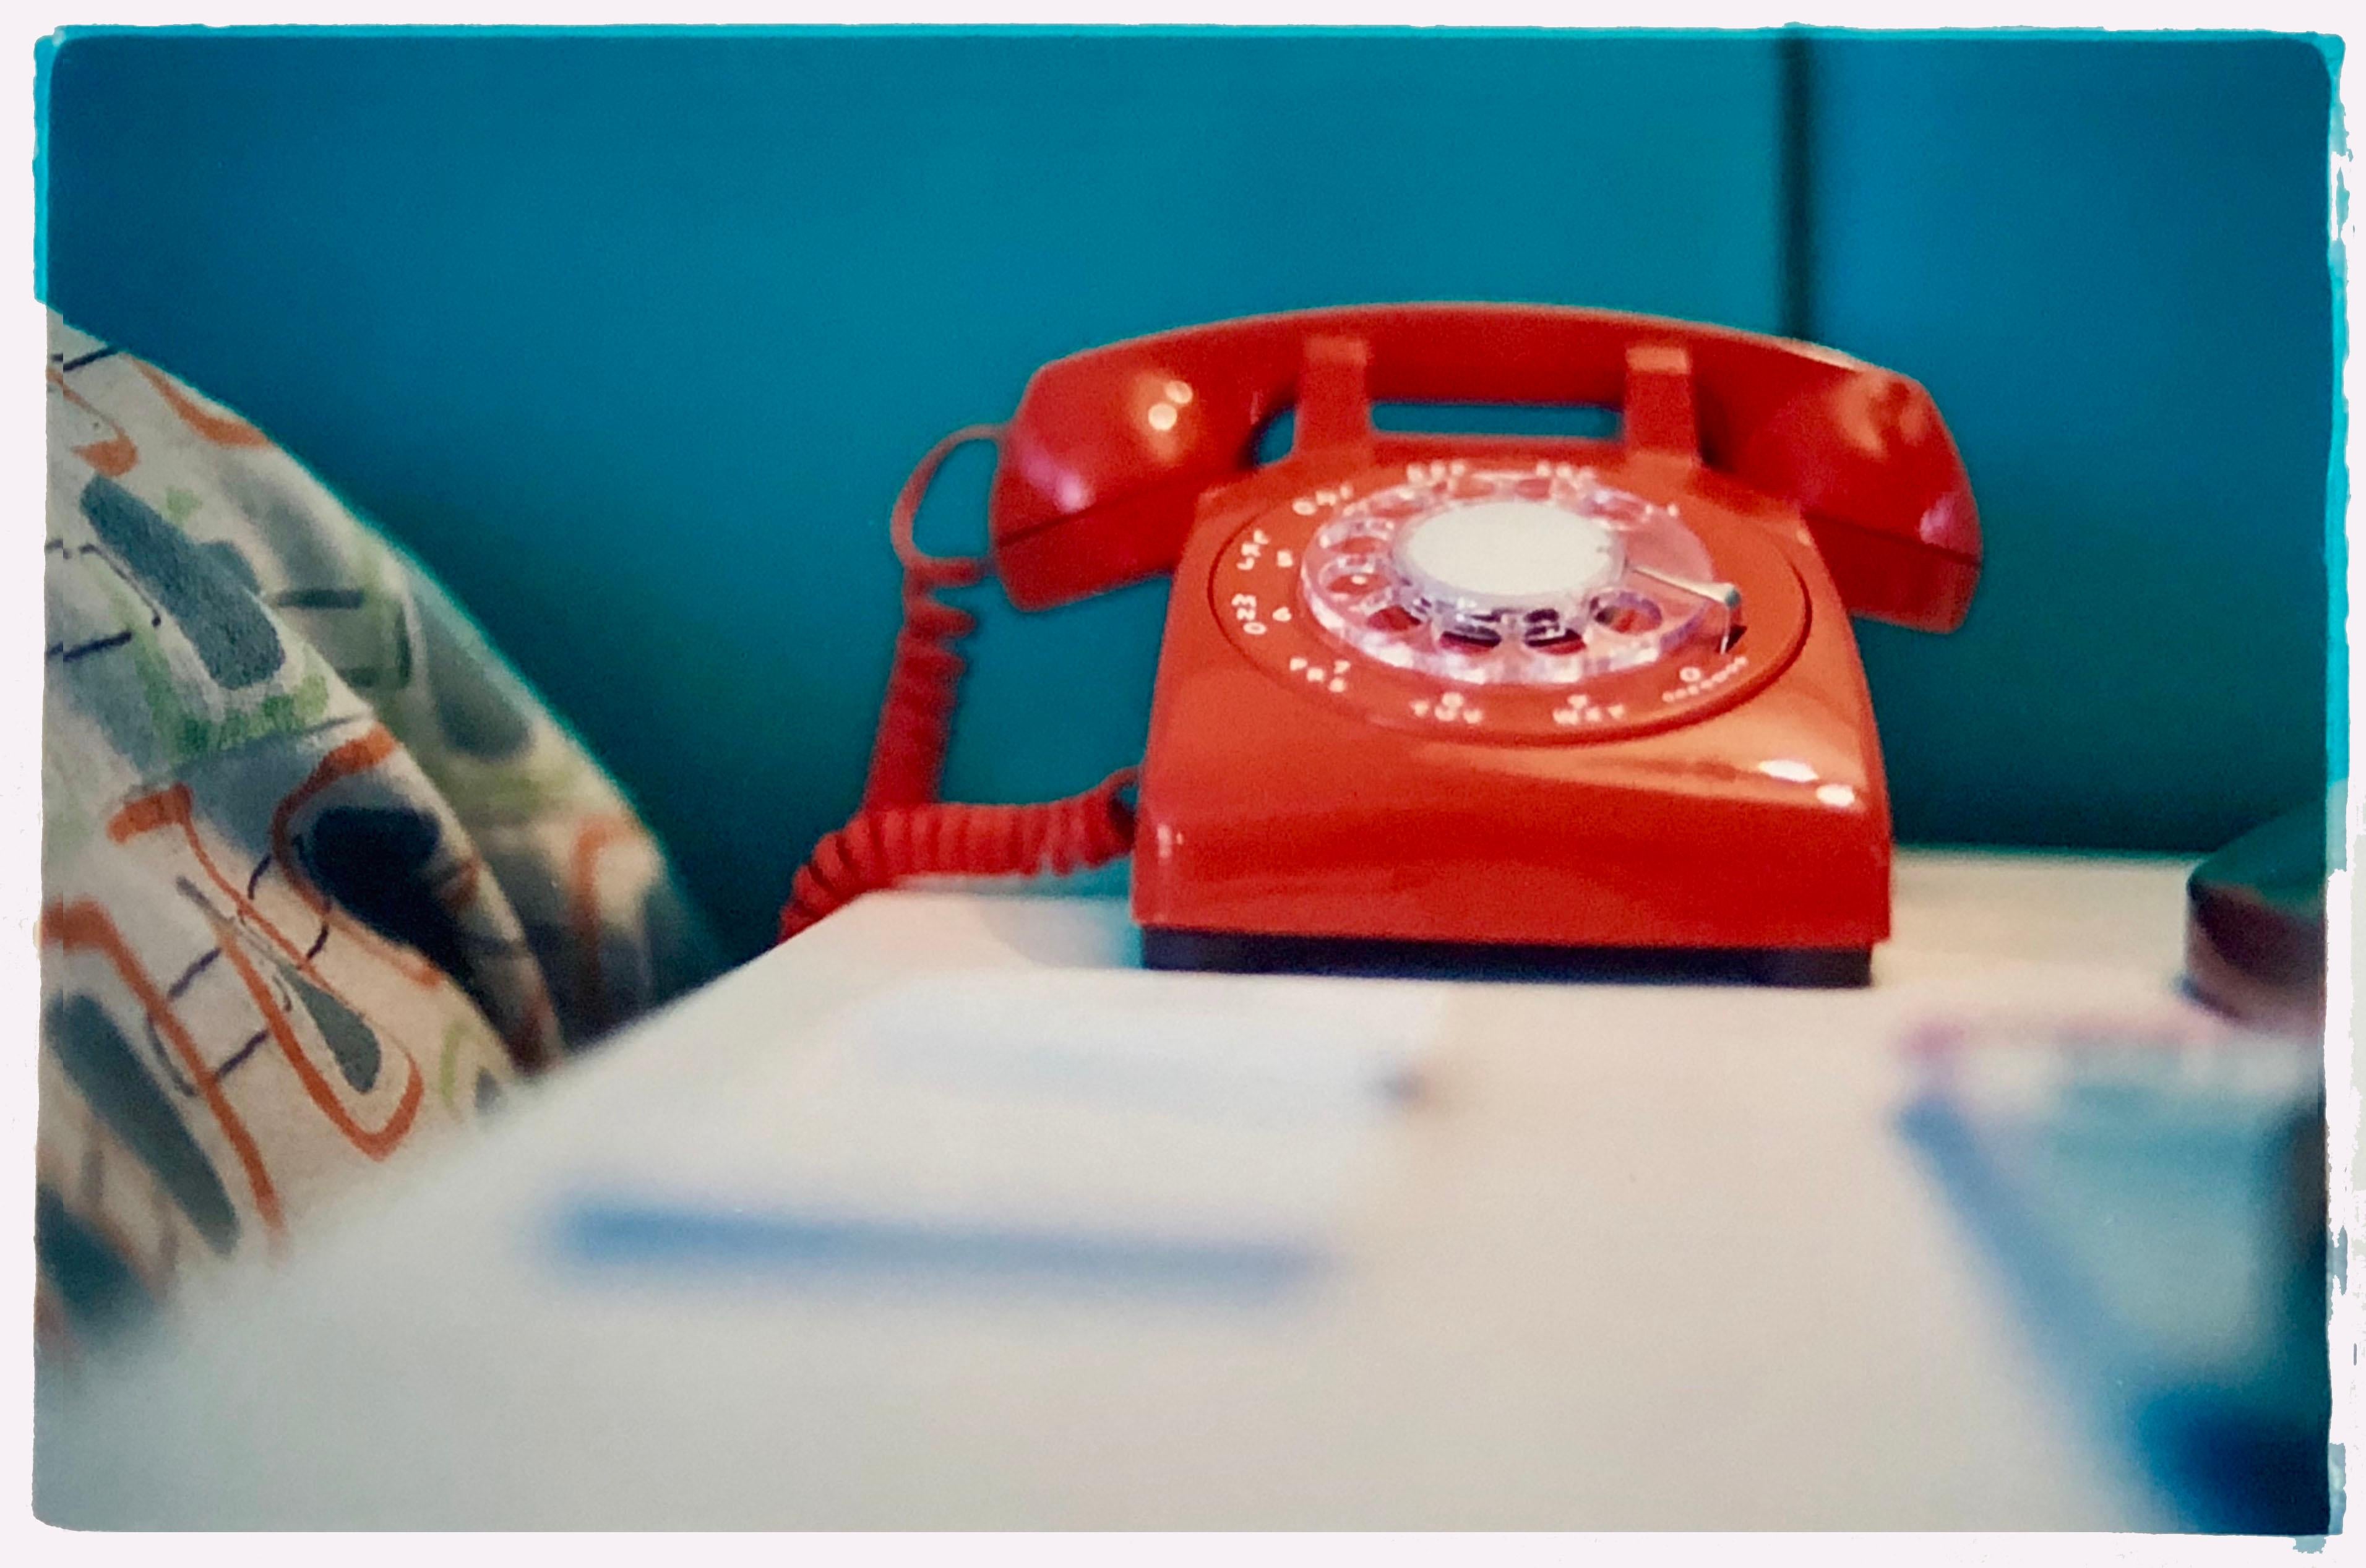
{"x":1617,"y":508}
{"x":1484,"y":628}
{"x":1350,"y":576}
{"x":1355,"y":532}
{"x":1626,"y":612}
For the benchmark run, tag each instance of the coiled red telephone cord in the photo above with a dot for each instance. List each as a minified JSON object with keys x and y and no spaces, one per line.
{"x":901,"y":829}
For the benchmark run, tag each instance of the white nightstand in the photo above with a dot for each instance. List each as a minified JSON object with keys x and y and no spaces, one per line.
{"x":936,"y":1218}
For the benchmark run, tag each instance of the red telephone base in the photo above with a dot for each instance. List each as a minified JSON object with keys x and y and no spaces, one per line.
{"x":1726,"y":800}
{"x":1234,"y":952}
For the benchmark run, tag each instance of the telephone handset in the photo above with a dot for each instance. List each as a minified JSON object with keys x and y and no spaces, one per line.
{"x":1516,"y":691}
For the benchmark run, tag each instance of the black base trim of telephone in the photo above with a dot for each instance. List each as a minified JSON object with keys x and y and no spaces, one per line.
{"x":1236,"y":952}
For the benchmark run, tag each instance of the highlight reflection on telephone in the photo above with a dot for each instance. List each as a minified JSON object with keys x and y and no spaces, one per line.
{"x":1424,"y":695}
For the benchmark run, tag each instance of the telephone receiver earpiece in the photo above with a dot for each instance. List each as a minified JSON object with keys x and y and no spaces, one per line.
{"x":1106,"y":461}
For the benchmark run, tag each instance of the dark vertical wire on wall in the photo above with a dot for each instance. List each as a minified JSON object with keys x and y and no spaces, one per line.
{"x":1795,"y":74}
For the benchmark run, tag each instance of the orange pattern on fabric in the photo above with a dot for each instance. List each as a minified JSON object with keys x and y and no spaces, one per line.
{"x":583,"y":900}
{"x":376,"y":1142}
{"x":115,"y":456}
{"x":222,"y":429}
{"x":172,"y":808}
{"x":528,"y":1043}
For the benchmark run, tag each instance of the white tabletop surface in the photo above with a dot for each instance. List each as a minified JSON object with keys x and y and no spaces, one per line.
{"x":1625,"y":1256}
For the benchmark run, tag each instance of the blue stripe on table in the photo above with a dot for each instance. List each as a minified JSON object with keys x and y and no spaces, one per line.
{"x":676,"y":1238}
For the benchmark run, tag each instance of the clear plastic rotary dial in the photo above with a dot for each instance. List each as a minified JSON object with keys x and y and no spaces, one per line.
{"x":1532,"y":577}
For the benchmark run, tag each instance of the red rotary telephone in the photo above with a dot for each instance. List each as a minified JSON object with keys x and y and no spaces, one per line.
{"x":1527,"y":693}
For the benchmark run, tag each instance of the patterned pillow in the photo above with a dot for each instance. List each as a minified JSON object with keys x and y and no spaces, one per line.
{"x":321,"y":878}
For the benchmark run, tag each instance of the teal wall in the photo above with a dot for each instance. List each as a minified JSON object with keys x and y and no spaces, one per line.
{"x":632,"y":337}
{"x":2108,"y":261}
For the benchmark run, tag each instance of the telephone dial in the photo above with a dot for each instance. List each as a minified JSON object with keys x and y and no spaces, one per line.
{"x":1423,"y":694}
